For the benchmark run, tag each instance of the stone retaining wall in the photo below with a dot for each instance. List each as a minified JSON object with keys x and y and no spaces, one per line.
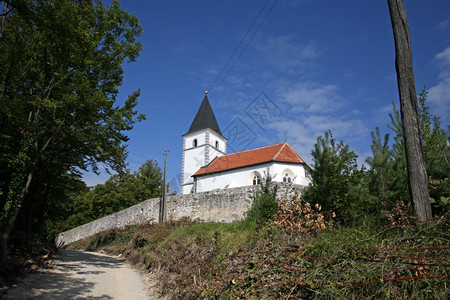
{"x":222,"y":205}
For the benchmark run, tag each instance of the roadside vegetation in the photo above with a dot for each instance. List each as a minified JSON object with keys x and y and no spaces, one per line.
{"x":297,"y":257}
{"x":351,"y":234}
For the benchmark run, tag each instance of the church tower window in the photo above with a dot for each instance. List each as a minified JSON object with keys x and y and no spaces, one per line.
{"x":194,"y":143}
{"x":217,"y":145}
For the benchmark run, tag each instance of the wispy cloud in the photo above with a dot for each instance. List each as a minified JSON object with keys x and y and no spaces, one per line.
{"x":184,"y":47}
{"x":381,"y":115}
{"x":312,"y":98}
{"x":444,"y":57}
{"x":314,"y":109}
{"x":297,"y":134}
{"x":442,"y":25}
{"x":439,"y":95}
{"x":302,"y":133}
{"x":286,"y":53}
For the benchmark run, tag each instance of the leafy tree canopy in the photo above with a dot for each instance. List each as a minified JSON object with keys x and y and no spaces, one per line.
{"x":120,"y":191}
{"x":61,"y":68}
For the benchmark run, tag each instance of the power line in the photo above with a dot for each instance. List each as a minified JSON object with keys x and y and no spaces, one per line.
{"x":240,"y":43}
{"x":245,"y":47}
{"x":213,"y":87}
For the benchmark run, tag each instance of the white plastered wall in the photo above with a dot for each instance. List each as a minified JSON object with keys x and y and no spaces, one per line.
{"x":244,"y":176}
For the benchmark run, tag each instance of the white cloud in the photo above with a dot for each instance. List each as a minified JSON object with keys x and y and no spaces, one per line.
{"x":381,"y":115}
{"x":444,"y":56}
{"x":310,"y":97}
{"x":314,"y":109}
{"x":302,"y":131}
{"x":298,"y":135}
{"x":439,"y":95}
{"x":287,"y":54}
{"x":342,"y":126}
{"x":187,"y":47}
{"x":443,"y":25}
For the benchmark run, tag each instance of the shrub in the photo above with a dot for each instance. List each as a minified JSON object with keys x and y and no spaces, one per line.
{"x":297,"y":216}
{"x":264,"y":204}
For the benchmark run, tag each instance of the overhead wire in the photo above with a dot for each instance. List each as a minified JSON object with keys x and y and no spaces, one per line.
{"x":245,"y":47}
{"x":214,"y":87}
{"x":240,"y":43}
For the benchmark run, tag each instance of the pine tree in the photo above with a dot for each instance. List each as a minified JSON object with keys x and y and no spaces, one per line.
{"x":437,"y":153}
{"x":388,"y":174}
{"x":337,"y":183}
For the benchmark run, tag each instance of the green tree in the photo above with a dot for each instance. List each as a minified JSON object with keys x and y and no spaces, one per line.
{"x":337,"y":183}
{"x":264,"y":205}
{"x":61,"y":197}
{"x":388,"y":173}
{"x":380,"y":172}
{"x":120,"y":191}
{"x":437,"y":153}
{"x":61,"y":68}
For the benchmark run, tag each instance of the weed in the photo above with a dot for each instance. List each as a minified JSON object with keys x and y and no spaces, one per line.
{"x":297,"y":216}
{"x":244,"y":261}
{"x":264,"y":205}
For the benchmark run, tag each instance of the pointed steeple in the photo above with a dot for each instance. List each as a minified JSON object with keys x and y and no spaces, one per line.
{"x":205,"y":118}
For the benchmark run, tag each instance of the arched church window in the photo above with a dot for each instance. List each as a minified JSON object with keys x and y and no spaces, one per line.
{"x":288,"y":176}
{"x":254,"y":178}
{"x":217,"y":144}
{"x":194,"y":143}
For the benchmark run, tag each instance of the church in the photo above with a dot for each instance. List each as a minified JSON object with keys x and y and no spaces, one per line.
{"x":206,"y":165}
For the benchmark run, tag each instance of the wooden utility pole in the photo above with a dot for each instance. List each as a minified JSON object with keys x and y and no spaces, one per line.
{"x":415,"y":159}
{"x":163,"y":204}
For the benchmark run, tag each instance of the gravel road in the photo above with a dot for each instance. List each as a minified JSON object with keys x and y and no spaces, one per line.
{"x":84,"y":275}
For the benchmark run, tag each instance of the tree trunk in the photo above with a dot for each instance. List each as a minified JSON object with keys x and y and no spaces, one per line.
{"x":12,"y":219}
{"x":44,"y":209}
{"x":415,"y":160}
{"x":28,"y":215}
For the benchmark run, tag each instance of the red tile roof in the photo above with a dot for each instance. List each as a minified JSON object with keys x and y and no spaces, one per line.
{"x":281,"y":153}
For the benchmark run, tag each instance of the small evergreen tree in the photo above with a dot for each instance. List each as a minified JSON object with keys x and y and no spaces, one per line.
{"x":400,"y":184}
{"x":387,"y":173}
{"x":337,"y":184}
{"x":437,"y":153}
{"x":264,"y":205}
{"x":387,"y":178}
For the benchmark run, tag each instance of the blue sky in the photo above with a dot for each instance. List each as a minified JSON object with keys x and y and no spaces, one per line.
{"x":303,"y":68}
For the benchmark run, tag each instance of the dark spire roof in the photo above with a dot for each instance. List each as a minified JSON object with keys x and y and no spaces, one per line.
{"x":205,"y":118}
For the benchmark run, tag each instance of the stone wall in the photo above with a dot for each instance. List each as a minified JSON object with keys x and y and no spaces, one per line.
{"x":224,"y":205}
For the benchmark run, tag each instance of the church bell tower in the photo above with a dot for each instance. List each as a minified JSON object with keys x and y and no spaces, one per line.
{"x":201,"y":144}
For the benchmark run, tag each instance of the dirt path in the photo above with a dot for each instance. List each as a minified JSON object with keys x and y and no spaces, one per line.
{"x":83,"y":275}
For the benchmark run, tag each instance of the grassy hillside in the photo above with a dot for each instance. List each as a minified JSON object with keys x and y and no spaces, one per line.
{"x":245,"y":261}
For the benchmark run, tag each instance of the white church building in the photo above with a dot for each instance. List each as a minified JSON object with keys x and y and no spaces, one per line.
{"x":206,"y":166}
